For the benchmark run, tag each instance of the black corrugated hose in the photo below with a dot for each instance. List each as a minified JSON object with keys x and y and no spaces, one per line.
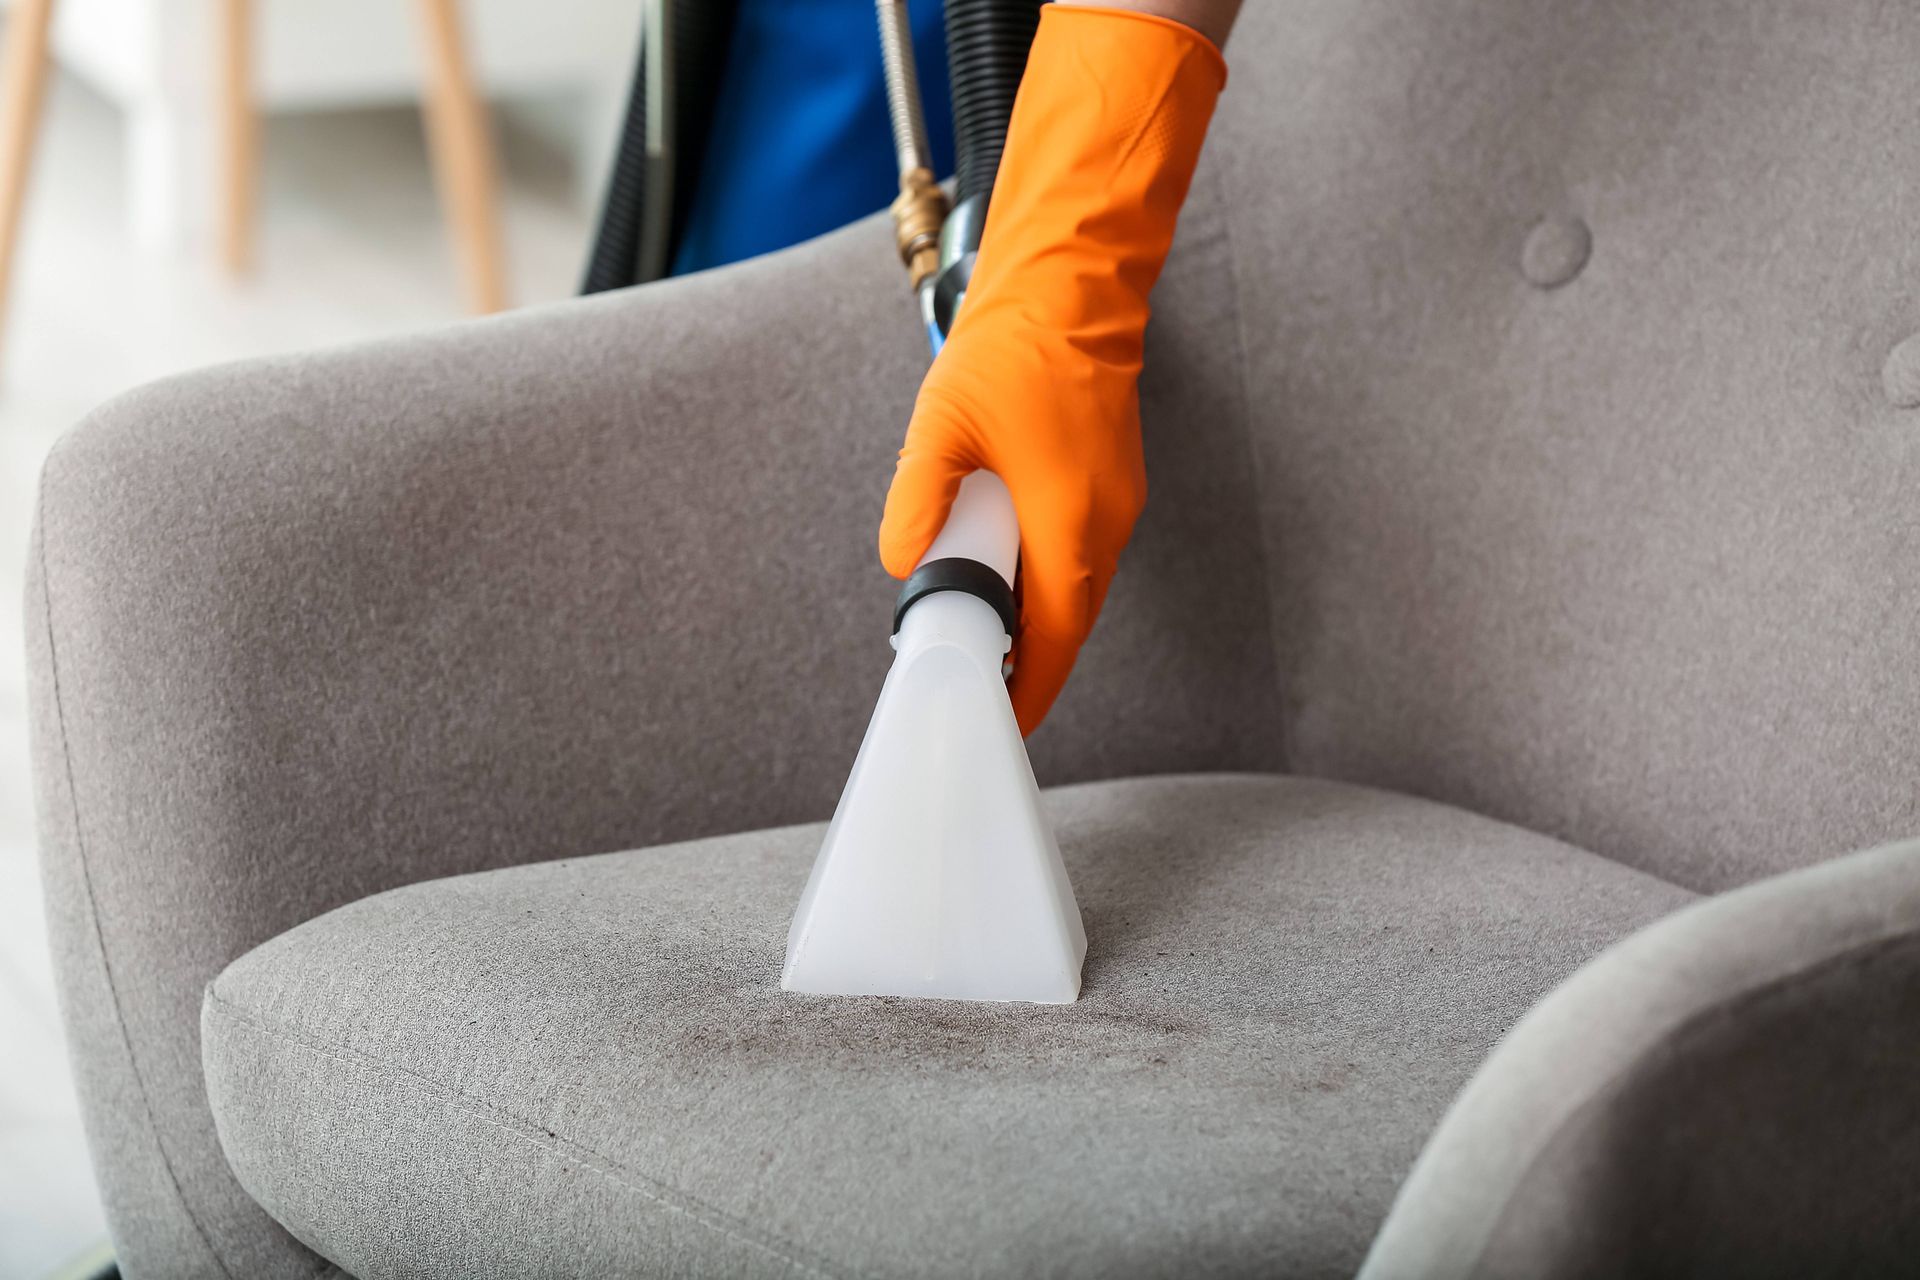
{"x":702,"y":30}
{"x":615,"y":258}
{"x":987,"y":44}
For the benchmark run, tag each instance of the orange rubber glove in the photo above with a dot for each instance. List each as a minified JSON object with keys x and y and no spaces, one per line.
{"x":1036,"y":382}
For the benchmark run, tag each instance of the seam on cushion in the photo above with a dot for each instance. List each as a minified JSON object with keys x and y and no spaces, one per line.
{"x":86,"y":879}
{"x":1224,"y":201}
{"x":662,"y":1193}
{"x":1669,"y":1047}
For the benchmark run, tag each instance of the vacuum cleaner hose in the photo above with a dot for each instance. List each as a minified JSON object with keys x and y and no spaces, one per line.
{"x":987,"y":44}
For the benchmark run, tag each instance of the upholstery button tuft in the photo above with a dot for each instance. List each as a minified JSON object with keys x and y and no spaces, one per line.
{"x":1900,"y":376}
{"x":1555,"y":251}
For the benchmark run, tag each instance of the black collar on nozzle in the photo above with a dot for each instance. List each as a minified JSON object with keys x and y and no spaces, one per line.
{"x":957,"y":573}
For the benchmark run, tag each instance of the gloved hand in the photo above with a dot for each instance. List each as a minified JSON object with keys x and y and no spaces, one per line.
{"x":1036,"y":382}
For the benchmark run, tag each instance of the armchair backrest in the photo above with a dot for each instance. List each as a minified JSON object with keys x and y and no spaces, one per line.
{"x":1584,"y":389}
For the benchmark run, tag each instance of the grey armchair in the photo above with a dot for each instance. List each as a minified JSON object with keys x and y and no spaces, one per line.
{"x":1459,"y":788}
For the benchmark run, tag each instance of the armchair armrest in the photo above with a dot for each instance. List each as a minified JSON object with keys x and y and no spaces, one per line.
{"x":584,"y":577}
{"x":1732,"y":1091}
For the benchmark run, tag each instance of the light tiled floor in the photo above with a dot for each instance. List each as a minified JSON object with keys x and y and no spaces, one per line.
{"x":351,"y":246}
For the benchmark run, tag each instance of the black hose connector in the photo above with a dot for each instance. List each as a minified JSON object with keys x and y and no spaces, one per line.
{"x":987,"y":44}
{"x":958,"y":573}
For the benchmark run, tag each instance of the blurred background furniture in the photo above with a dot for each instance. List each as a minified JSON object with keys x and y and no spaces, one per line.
{"x":1526,"y":610}
{"x":193,"y":76}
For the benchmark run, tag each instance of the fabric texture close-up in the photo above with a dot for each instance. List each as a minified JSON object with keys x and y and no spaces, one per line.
{"x":1497,"y":740}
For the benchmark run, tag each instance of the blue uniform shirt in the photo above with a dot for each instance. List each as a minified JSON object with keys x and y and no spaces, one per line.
{"x":800,"y":142}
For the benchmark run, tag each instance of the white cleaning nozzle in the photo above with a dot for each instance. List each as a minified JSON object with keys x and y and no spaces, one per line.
{"x":939,"y":875}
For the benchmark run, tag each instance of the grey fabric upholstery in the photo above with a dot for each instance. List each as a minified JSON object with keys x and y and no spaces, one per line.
{"x":1529,"y":425}
{"x":579,"y":579}
{"x":1634,"y":560}
{"x":1732,"y":1092}
{"x":587,"y":1067}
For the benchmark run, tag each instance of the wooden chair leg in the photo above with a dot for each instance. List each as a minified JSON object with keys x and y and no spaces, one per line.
{"x":239,"y":137}
{"x":23,"y":83}
{"x":460,"y":141}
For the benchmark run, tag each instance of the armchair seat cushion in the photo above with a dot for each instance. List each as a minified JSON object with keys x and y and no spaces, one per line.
{"x":587,"y":1067}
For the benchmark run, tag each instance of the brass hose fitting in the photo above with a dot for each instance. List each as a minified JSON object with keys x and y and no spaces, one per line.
{"x":918,"y":211}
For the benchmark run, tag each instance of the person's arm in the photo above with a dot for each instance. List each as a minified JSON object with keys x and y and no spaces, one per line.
{"x":1037,"y":381}
{"x":1211,"y":18}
